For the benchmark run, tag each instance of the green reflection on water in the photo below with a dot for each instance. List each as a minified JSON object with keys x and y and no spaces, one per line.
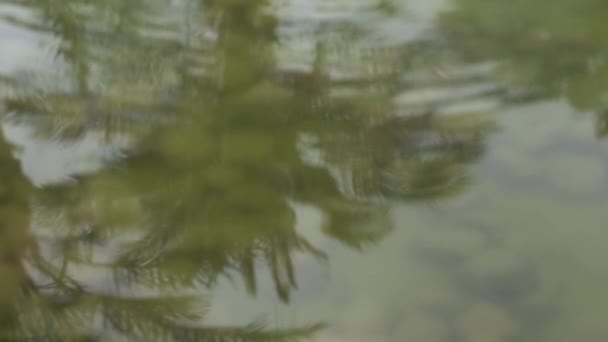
{"x":553,"y":49}
{"x":218,"y":134}
{"x":229,"y":115}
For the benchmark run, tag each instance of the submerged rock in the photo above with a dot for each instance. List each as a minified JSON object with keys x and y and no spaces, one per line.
{"x":577,"y":174}
{"x":449,"y":244}
{"x":422,"y":327}
{"x":498,"y":274}
{"x":485,"y":322}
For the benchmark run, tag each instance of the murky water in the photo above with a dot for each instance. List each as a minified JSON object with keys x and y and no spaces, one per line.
{"x":330,"y":171}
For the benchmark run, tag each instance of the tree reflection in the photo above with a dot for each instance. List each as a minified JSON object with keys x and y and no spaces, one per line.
{"x":553,"y":49}
{"x":225,"y":138}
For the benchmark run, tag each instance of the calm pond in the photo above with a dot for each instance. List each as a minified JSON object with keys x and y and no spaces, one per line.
{"x":304,"y":170}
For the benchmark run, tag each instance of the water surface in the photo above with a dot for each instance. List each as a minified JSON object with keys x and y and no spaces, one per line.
{"x":371,"y":170}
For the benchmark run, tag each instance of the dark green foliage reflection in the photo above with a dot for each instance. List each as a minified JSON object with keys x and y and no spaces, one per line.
{"x":224,"y":138}
{"x":548,"y":48}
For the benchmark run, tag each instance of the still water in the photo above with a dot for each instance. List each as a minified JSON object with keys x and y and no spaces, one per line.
{"x":303,"y":170}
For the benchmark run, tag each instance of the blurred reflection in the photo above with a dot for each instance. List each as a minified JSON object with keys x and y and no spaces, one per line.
{"x":544,"y":48}
{"x":14,"y":218}
{"x":215,"y":118}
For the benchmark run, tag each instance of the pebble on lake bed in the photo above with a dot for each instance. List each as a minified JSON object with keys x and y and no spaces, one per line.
{"x":486,"y":322}
{"x":577,"y":174}
{"x":500,"y":274}
{"x":516,"y":164}
{"x":495,"y":263}
{"x":450,"y":242}
{"x":422,"y":327}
